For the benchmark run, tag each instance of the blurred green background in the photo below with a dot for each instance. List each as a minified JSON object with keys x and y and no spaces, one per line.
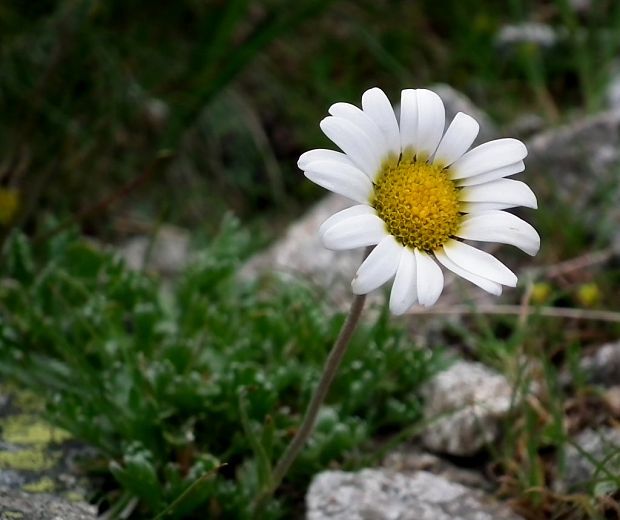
{"x":119,"y":116}
{"x":120,"y":113}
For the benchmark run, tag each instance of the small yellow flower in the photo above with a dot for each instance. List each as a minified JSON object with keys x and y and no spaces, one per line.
{"x":9,"y":204}
{"x":588,"y":294}
{"x":541,"y":292}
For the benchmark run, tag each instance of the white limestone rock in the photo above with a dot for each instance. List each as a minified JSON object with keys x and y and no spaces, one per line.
{"x":167,"y":253}
{"x":19,"y":505}
{"x":464,"y":406}
{"x":381,"y":494}
{"x":592,"y":459}
{"x":603,"y":367}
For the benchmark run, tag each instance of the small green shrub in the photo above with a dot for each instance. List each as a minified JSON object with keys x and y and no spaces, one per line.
{"x":191,"y":393}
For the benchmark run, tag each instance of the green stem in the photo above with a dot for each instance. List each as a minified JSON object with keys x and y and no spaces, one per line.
{"x":305,"y":430}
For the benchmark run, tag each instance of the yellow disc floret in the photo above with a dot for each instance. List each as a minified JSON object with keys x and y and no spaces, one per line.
{"x":418,"y":203}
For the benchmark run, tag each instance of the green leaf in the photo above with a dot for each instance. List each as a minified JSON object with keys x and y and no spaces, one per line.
{"x":137,"y":474}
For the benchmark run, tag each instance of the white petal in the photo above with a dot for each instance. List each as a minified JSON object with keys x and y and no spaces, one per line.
{"x":479,"y":263}
{"x":377,"y":105}
{"x":404,"y":293}
{"x":508,"y":192}
{"x":458,"y":138}
{"x":356,"y":231}
{"x":379,"y":267}
{"x":483,"y":207}
{"x":408,"y":119}
{"x":431,"y":122}
{"x":489,"y":156}
{"x":355,"y":143}
{"x":322,"y":155}
{"x":356,"y":116}
{"x":340,"y":178}
{"x":340,"y":216}
{"x":429,"y":279}
{"x":504,"y":171}
{"x":483,"y":283}
{"x":502,"y":227}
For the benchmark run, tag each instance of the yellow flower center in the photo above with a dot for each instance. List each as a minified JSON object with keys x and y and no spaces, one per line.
{"x":418,"y":203}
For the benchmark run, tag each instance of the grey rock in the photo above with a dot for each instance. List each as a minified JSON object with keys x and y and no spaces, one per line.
{"x":603,"y":368}
{"x":156,"y":113}
{"x":167,"y":252}
{"x":12,"y":479}
{"x":526,"y":125}
{"x":35,"y":457}
{"x":580,"y":6}
{"x":381,"y":494}
{"x":23,"y":506}
{"x":577,"y":165}
{"x":591,"y":448}
{"x":411,"y":459}
{"x":300,"y":253}
{"x":464,"y":406}
{"x":612,"y":92}
{"x":535,"y":33}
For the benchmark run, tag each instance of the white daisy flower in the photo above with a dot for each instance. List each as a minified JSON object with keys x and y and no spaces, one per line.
{"x":419,"y":192}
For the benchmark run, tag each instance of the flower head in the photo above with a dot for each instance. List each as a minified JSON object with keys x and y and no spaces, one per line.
{"x":419,"y":192}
